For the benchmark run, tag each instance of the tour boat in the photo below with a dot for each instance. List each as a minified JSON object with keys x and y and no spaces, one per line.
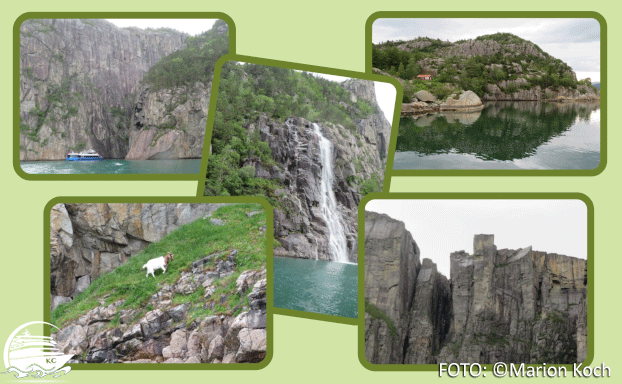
{"x":89,"y":155}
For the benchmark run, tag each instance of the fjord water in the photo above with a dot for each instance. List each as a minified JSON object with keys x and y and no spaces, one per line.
{"x":113,"y":166}
{"x":504,"y":135}
{"x":320,"y":286}
{"x":316,"y":286}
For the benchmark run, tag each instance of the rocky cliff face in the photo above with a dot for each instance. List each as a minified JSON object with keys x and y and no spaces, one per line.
{"x":169,"y":123}
{"x":499,"y":305}
{"x":88,"y":240}
{"x":207,"y":307}
{"x":78,"y":79}
{"x":108,"y":334}
{"x":299,"y":224}
{"x":375,"y":124}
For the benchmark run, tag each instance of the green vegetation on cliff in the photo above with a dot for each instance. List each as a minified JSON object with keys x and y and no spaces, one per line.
{"x":247,"y":91}
{"x":188,"y":243}
{"x":193,"y":63}
{"x":377,"y":314}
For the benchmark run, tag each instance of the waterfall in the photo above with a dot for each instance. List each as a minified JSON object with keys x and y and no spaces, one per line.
{"x":328,"y":203}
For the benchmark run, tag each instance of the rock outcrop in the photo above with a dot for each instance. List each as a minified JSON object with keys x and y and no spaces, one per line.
{"x":88,"y":240}
{"x":375,"y":124}
{"x":78,"y":78}
{"x":467,"y":102}
{"x":509,"y":306}
{"x":166,"y":334}
{"x":169,"y":124}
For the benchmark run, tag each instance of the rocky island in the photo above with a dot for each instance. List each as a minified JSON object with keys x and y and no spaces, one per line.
{"x":496,"y":67}
{"x":498,"y":305}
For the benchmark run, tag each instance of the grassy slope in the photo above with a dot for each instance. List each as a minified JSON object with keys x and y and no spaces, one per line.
{"x":188,"y":243}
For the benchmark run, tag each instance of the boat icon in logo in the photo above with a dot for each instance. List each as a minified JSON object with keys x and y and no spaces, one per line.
{"x":35,"y":356}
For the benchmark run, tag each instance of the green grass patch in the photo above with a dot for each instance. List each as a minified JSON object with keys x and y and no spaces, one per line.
{"x":188,"y":243}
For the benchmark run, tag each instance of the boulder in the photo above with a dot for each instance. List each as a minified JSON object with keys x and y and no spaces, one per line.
{"x":216,"y":349}
{"x":252,"y":346}
{"x":81,"y":285}
{"x":178,"y":313}
{"x":468,"y":101}
{"x":178,"y":346}
{"x":152,"y":323}
{"x":194,"y":345}
{"x":425,"y":96}
{"x":58,"y":300}
{"x":247,"y":279}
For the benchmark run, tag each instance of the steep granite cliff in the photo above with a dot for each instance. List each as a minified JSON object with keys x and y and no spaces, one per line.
{"x":78,"y":78}
{"x":85,"y":83}
{"x":170,"y":114}
{"x":502,"y":305}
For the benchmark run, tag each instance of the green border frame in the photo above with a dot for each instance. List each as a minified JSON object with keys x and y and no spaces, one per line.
{"x":308,"y":68}
{"x":99,"y":15}
{"x":195,"y":200}
{"x":299,"y":67}
{"x":505,"y":14}
{"x":472,"y":196}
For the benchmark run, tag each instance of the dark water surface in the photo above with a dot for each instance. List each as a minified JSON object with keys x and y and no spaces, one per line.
{"x":316,"y":286}
{"x":504,"y":135}
{"x":183,"y":166}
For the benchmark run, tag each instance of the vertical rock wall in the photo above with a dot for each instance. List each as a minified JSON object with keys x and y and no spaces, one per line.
{"x":503,"y":305}
{"x":78,"y":81}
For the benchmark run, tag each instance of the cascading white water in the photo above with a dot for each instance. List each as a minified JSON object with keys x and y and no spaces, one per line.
{"x":328,"y":203}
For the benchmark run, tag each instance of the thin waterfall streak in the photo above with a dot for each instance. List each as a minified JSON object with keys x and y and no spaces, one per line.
{"x":328,"y":203}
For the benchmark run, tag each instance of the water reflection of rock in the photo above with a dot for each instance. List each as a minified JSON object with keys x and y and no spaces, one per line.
{"x":466,"y":118}
{"x":502,"y":131}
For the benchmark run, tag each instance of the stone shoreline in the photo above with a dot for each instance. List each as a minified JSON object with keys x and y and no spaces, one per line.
{"x":419,"y":108}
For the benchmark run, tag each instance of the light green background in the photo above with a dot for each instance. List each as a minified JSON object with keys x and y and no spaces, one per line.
{"x":324,"y":33}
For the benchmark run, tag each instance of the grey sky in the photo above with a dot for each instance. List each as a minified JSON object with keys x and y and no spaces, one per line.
{"x":190,"y":26}
{"x":575,"y":41}
{"x":440,"y":226}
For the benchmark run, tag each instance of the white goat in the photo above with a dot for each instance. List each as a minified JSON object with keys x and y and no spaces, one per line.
{"x":158,"y":263}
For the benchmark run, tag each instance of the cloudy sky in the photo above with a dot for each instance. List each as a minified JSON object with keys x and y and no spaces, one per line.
{"x":189,"y":26}
{"x":385,"y":94}
{"x":575,"y":41}
{"x":440,"y":227}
